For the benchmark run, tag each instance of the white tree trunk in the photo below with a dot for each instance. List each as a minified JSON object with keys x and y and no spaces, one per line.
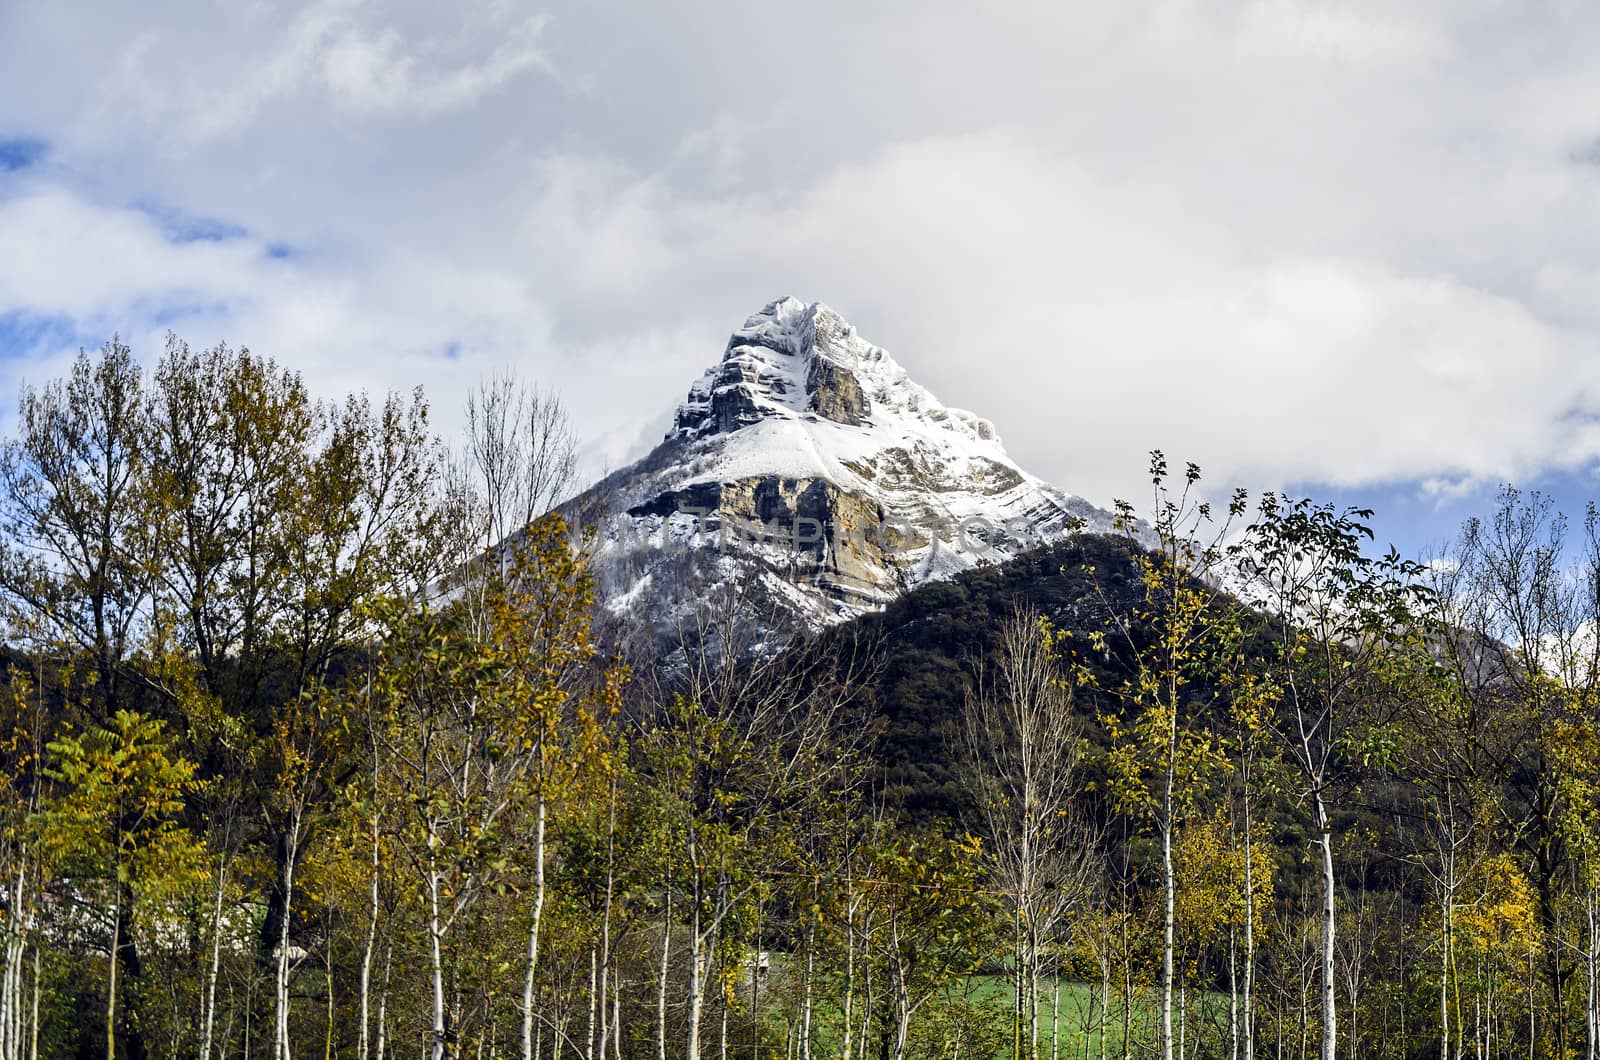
{"x":849,"y":967}
{"x":1033,"y":993}
{"x":363,"y":1044}
{"x":1330,"y":1021}
{"x":1233,"y":994}
{"x":1445,"y":931}
{"x":605,"y":921}
{"x":1127,"y":989}
{"x":436,"y":961}
{"x":1105,"y":998}
{"x":383,"y":1001}
{"x":33,"y":1023}
{"x":533,"y":929}
{"x":21,"y":929}
{"x":902,"y":1017}
{"x":215,"y":965}
{"x":607,"y":994}
{"x":805,"y":1009}
{"x":280,"y":1034}
{"x":111,"y":973}
{"x":699,"y":966}
{"x":8,"y":992}
{"x":1169,"y":913}
{"x":661,"y":977}
{"x":1247,"y":999}
{"x":1019,"y":988}
{"x":10,"y":1040}
{"x":1183,"y":1019}
{"x":1055,"y":1017}
{"x":20,"y":1012}
{"x":594,"y":1001}
{"x":1591,"y":969}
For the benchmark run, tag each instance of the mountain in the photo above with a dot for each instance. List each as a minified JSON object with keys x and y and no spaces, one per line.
{"x":808,"y":474}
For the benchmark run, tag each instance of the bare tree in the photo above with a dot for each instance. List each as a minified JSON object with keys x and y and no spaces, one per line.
{"x":744,"y":741}
{"x":521,"y":450}
{"x":1519,"y":610}
{"x":1021,"y":745}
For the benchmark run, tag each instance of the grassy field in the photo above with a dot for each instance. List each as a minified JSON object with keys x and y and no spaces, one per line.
{"x":1079,"y":1015}
{"x":1078,"y":1020}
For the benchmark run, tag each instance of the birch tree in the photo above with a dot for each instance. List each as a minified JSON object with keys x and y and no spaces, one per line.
{"x":521,"y":453}
{"x":488,"y":708}
{"x":1021,"y":747}
{"x":741,"y":743}
{"x":1527,"y":601}
{"x":929,"y":922}
{"x":1175,"y":643}
{"x":1337,"y":619}
{"x":25,"y":861}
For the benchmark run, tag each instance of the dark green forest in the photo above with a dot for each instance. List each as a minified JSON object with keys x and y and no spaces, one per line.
{"x":314,"y":746}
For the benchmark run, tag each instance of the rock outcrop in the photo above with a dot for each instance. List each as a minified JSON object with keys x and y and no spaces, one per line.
{"x":807,"y":471}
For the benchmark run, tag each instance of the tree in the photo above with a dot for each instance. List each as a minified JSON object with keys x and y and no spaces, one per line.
{"x":484,"y":707}
{"x":741,"y":743}
{"x":115,"y":822}
{"x":1223,"y":888}
{"x":24,"y":860}
{"x":521,"y":453}
{"x":298,"y":759}
{"x":232,"y":441}
{"x":76,"y":518}
{"x":220,"y":518}
{"x":928,"y":921}
{"x":1335,"y":617}
{"x":1252,"y":707}
{"x":1178,"y":641}
{"x":1021,"y":746}
{"x":1521,"y":611}
{"x":543,"y":625}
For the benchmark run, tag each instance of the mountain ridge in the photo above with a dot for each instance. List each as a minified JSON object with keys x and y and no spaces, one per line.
{"x":808,"y":465}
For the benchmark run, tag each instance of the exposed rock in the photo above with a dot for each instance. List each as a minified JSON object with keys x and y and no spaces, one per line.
{"x":809,"y":471}
{"x":835,"y":392}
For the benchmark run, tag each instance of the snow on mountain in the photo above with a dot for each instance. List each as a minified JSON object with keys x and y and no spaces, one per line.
{"x":809,"y":470}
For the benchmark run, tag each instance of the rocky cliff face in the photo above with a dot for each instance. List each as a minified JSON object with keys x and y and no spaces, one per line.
{"x":808,"y":472}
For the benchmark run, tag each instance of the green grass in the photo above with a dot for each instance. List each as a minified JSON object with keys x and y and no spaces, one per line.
{"x":1078,"y":1024}
{"x":1078,"y":1019}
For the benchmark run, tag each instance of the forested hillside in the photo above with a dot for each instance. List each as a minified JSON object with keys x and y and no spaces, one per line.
{"x":932,"y":643}
{"x":313,"y":746}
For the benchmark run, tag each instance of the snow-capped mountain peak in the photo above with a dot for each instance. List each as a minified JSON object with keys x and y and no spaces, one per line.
{"x":809,"y":464}
{"x":795,"y":359}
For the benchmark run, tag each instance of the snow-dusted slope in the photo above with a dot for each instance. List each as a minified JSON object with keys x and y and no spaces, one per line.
{"x":807,"y":468}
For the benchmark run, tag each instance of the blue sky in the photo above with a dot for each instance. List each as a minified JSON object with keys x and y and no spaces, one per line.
{"x":1426,"y":527}
{"x":1344,"y":247}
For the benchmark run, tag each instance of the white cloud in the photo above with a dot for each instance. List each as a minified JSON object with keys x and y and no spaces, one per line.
{"x":375,"y":74}
{"x":1295,"y":240}
{"x":341,"y":54}
{"x":1092,"y":322}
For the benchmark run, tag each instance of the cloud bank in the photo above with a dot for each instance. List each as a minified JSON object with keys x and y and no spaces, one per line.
{"x":1340,"y":243}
